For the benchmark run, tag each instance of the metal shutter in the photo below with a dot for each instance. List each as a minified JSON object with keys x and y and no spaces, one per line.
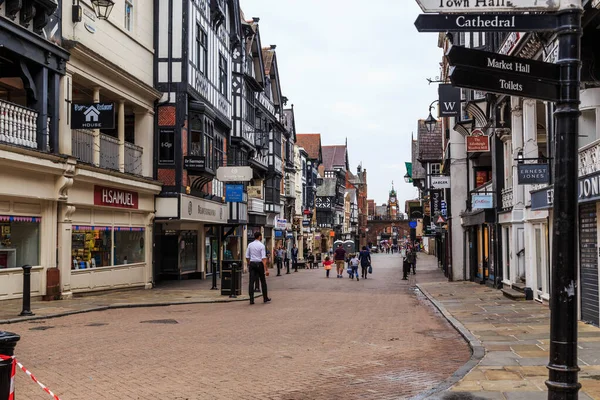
{"x":588,"y":261}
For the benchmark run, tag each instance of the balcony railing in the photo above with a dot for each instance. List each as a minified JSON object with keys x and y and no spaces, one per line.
{"x":133,"y":158}
{"x":82,"y":142}
{"x":589,"y":158}
{"x":109,"y":152}
{"x":18,"y":125}
{"x":256,"y":206}
{"x":507,"y":198}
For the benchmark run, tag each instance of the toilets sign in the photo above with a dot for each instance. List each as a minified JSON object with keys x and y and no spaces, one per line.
{"x":478,"y":6}
{"x":93,"y":116}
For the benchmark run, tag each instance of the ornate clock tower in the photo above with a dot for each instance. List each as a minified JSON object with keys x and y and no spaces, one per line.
{"x":392,"y":203}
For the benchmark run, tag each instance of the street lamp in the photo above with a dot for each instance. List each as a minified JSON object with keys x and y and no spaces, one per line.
{"x":103,"y":8}
{"x":407,"y":178}
{"x":431,"y":122}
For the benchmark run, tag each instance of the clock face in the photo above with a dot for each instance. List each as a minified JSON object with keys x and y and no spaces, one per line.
{"x":392,"y":199}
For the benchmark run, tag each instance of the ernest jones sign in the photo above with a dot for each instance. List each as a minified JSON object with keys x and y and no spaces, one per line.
{"x":104,"y":196}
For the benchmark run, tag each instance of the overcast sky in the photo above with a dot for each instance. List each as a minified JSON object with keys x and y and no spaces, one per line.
{"x":356,"y":70}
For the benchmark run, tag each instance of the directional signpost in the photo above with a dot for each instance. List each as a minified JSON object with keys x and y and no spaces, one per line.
{"x":529,"y":79}
{"x":486,"y":22}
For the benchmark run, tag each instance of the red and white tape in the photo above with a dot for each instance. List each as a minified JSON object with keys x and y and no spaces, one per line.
{"x":11,"y":395}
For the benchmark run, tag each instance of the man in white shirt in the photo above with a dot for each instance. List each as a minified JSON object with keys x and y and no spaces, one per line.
{"x":256,"y":256}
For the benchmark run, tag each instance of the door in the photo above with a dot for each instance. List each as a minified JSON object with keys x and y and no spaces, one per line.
{"x":588,"y":262}
{"x":538,"y":261}
{"x":520,"y":255}
{"x":211,"y":254}
{"x":169,"y":253}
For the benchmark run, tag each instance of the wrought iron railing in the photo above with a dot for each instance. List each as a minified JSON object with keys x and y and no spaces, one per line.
{"x":109,"y":152}
{"x":82,"y":142}
{"x":133,"y":158}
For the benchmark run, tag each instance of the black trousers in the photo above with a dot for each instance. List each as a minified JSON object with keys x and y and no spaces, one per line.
{"x":257,"y":271}
{"x":364,"y":271}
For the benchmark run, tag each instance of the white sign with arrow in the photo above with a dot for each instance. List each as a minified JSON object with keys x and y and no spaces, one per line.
{"x":478,"y":6}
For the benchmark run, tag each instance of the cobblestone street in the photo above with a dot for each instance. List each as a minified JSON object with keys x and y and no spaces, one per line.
{"x":319,"y":339}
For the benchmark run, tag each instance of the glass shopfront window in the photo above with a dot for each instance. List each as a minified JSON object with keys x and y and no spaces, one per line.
{"x":232,"y":247}
{"x":129,"y":246}
{"x":91,"y":246}
{"x":105,"y":246}
{"x":19,"y":241}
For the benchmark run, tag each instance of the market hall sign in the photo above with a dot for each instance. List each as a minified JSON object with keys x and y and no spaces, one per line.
{"x":532,"y":174}
{"x":93,"y":116}
{"x":110,"y":197}
{"x":485,"y":22}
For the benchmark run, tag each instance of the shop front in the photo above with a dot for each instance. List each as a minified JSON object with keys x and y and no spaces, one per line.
{"x":589,"y":204}
{"x":106,"y":233}
{"x":539,"y":229}
{"x":28,"y":199}
{"x":478,"y":227}
{"x":188,"y":237}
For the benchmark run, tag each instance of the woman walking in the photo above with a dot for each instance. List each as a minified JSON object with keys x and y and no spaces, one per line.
{"x":365,"y":261}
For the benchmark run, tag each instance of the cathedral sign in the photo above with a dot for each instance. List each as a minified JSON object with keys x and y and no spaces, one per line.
{"x":457,"y":6}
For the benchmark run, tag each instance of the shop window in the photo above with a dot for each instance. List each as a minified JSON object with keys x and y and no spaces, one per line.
{"x":19,"y":241}
{"x":91,"y":247}
{"x":129,"y":246}
{"x":482,"y":176}
{"x":201,"y":139}
{"x":222,"y":75}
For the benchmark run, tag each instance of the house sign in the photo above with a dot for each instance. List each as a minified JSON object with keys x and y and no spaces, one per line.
{"x":93,"y":116}
{"x":589,"y":188}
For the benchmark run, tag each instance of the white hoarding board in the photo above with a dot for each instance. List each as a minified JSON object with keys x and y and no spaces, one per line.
{"x":481,"y":6}
{"x":440,"y":182}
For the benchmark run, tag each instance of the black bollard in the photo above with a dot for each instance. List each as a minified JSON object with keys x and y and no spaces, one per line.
{"x":26,"y":291}
{"x":232,"y":294}
{"x":8,"y":342}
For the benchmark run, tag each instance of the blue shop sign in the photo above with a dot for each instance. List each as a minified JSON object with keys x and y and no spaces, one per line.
{"x":589,"y":188}
{"x":234,"y":193}
{"x":482,"y":201}
{"x":413,"y":224}
{"x":278,"y":234}
{"x":542,"y":199}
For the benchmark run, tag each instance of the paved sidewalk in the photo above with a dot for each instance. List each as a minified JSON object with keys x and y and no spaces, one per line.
{"x":191,"y":291}
{"x":514,"y":336}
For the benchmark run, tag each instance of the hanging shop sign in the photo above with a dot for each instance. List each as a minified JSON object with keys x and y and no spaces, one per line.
{"x":234,"y":193}
{"x":194,"y":163}
{"x":532,"y":174}
{"x":436,"y":202}
{"x":280,"y":223}
{"x":444,"y":209}
{"x":440,"y":182}
{"x":255,"y":192}
{"x":110,"y":197}
{"x":589,"y":188}
{"x":449,"y":100}
{"x":478,"y":143}
{"x":93,"y":116}
{"x":486,"y":22}
{"x":491,"y":6}
{"x":482,"y":201}
{"x":234,"y":174}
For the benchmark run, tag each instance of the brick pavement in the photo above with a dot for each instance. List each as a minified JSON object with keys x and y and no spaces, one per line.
{"x":515,"y":336}
{"x":319,"y":339}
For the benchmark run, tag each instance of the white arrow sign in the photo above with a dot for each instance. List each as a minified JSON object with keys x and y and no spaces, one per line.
{"x":478,"y":6}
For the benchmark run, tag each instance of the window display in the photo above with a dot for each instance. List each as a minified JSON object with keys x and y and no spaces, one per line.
{"x":129,"y":246}
{"x":91,"y":247}
{"x":19,"y":241}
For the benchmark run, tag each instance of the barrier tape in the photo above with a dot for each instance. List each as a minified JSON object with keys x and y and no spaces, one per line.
{"x":11,"y":395}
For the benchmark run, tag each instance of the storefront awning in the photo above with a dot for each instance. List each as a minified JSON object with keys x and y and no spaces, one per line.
{"x":479,"y":217}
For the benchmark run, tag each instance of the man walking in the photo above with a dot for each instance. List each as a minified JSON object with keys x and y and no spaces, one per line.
{"x":256,"y":256}
{"x":340,"y":260}
{"x":294,"y":256}
{"x":279,"y":254}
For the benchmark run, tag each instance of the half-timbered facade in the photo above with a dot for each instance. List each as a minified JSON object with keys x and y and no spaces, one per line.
{"x":195,"y":41}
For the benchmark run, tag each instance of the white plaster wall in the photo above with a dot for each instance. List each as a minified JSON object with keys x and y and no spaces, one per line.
{"x":458,"y":194}
{"x":132,"y":51}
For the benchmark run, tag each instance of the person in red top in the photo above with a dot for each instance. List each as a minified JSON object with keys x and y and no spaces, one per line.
{"x":340,"y":260}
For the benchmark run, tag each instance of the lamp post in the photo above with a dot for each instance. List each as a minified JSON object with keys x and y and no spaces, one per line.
{"x":431,"y":122}
{"x":407,"y":178}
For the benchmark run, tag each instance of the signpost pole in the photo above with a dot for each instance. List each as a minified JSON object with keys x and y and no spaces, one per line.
{"x":563,"y":370}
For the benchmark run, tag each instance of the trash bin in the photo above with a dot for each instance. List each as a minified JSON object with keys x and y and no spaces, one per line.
{"x":227,"y":267}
